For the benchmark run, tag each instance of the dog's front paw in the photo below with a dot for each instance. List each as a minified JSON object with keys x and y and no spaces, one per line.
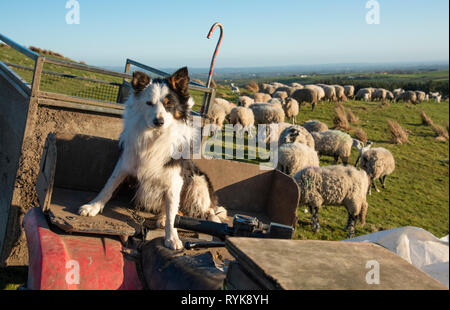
{"x":90,"y":209}
{"x":173,"y":243}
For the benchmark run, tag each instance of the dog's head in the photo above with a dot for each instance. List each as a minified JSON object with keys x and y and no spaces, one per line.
{"x":162,"y":101}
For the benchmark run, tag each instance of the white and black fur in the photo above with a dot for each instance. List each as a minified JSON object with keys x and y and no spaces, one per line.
{"x":157,"y":122}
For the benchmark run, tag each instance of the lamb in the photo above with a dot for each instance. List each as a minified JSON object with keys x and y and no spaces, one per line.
{"x":436,"y":96}
{"x":291,"y":108}
{"x":245,"y":101}
{"x":295,"y":133}
{"x":349,"y":91}
{"x":407,"y":96}
{"x":315,"y":125}
{"x":228,"y":106}
{"x":261,"y":97}
{"x":266,"y":113}
{"x":306,"y":95}
{"x":293,"y":157}
{"x":330,"y":93}
{"x":334,"y":185}
{"x":334,"y":143}
{"x":377,"y":163}
{"x":320,"y":91}
{"x":242,"y":116}
{"x":420,"y":96}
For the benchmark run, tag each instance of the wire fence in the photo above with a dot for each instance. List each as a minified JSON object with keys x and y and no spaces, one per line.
{"x":78,"y":84}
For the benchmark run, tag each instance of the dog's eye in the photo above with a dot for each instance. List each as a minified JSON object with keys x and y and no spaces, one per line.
{"x":149,"y":103}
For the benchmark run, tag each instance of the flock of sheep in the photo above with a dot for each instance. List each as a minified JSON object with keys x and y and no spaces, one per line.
{"x":299,"y":147}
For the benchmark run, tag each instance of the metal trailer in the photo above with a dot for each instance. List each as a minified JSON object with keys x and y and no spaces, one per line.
{"x":42,"y":98}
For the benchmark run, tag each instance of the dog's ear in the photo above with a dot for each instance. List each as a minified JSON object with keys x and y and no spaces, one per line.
{"x":179,"y":81}
{"x":140,"y":81}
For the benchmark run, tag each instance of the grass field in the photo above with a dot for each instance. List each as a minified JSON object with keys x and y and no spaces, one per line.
{"x":417,"y":192}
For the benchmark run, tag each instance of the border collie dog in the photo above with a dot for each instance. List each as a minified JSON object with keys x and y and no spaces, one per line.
{"x":157,"y":122}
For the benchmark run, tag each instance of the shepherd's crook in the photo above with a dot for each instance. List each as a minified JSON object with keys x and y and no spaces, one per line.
{"x":213,"y":60}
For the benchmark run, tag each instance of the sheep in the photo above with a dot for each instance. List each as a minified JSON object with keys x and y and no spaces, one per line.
{"x":363,"y":94}
{"x":334,"y":143}
{"x":296,"y":85}
{"x":235,"y":89}
{"x":320,"y":91}
{"x":267,"y":88}
{"x":334,"y":185}
{"x":436,"y":96}
{"x":228,"y":106}
{"x":266,"y":113}
{"x":280,"y":94}
{"x":261,"y":97}
{"x":291,"y":108}
{"x":216,"y":116}
{"x":315,"y":125}
{"x":276,"y":101}
{"x":377,"y":163}
{"x":295,"y":133}
{"x":407,"y":96}
{"x":306,"y":95}
{"x":379,"y":93}
{"x":245,"y":101}
{"x":340,"y":93}
{"x":420,"y":96}
{"x":293,"y":157}
{"x":389,"y":96}
{"x":330,"y":93}
{"x":397,"y":92}
{"x":349,"y":91}
{"x":242,"y":116}
{"x":276,"y":85}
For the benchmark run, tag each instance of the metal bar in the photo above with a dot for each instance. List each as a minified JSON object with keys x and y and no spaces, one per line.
{"x":19,"y":47}
{"x":78,"y":106}
{"x":37,"y":75}
{"x":148,"y":68}
{"x":86,"y":68}
{"x":15,"y":79}
{"x":79,"y":100}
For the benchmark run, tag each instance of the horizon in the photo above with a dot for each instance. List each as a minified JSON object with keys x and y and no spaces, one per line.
{"x":307,"y":34}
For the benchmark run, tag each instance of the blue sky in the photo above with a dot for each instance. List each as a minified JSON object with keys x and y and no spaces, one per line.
{"x":172,"y":33}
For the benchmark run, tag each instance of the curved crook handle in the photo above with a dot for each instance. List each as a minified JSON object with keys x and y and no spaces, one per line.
{"x":213,"y":60}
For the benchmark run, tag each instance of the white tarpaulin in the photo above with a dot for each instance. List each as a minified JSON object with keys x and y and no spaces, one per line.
{"x":417,"y":246}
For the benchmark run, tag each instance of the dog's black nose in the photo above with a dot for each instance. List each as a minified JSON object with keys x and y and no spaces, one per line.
{"x":158,"y":121}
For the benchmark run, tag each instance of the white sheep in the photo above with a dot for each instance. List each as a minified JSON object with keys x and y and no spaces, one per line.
{"x":245,"y":101}
{"x":320,"y":91}
{"x":334,"y":185}
{"x":228,"y":106}
{"x":294,"y":133}
{"x":266,"y":113}
{"x":349,"y":91}
{"x":330,"y":92}
{"x":242,"y":116}
{"x":377,"y":163}
{"x":334,"y":143}
{"x":261,"y":97}
{"x":235,"y":89}
{"x":315,"y":125}
{"x":291,"y":108}
{"x":216,"y":116}
{"x":293,"y":157}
